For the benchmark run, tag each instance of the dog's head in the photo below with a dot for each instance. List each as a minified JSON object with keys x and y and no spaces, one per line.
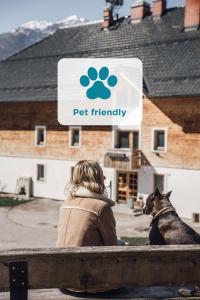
{"x":155,"y":202}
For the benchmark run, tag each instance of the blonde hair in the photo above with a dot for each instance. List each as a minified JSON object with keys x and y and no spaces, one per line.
{"x":88,"y":174}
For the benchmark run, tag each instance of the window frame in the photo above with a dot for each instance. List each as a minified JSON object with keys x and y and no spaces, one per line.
{"x":37,"y":172}
{"x":153,"y":136}
{"x":71,"y":128}
{"x":138,"y":140}
{"x":37,"y":128}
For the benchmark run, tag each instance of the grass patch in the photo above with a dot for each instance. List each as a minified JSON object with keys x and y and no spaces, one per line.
{"x":10,"y":202}
{"x":135,"y":241}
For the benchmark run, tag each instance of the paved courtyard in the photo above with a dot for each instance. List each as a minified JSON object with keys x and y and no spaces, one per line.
{"x":34,"y":224}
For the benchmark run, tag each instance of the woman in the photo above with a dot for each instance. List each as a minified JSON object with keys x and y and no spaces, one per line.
{"x":86,"y":218}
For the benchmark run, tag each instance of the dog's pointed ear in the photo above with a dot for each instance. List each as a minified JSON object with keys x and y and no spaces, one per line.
{"x":157,"y":192}
{"x":168,"y":194}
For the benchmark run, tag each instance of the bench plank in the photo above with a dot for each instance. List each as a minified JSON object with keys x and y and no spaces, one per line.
{"x":105,"y":267}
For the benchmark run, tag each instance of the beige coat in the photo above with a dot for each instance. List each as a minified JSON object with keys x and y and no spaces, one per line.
{"x":86,"y":220}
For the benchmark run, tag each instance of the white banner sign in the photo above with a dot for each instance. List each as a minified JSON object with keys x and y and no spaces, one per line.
{"x":100,"y":91}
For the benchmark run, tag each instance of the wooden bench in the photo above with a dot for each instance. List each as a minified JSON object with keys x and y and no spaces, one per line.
{"x":96,"y":267}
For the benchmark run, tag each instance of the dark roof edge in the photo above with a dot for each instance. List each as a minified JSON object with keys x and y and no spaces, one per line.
{"x":27,"y":101}
{"x":173,"y":96}
{"x":53,"y":86}
{"x":150,"y":97}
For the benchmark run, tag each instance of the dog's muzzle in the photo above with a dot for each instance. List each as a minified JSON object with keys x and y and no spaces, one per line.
{"x":145,"y":210}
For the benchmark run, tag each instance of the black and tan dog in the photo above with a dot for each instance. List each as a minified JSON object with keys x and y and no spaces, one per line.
{"x":166,"y":227}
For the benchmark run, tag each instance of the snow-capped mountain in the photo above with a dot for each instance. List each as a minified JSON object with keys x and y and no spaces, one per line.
{"x":31,"y":32}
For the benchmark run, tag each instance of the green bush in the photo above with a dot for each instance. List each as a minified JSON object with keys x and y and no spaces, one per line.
{"x":9,"y":202}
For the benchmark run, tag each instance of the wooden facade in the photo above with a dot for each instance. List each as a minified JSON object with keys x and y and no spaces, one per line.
{"x":181,"y":118}
{"x":17,"y":133}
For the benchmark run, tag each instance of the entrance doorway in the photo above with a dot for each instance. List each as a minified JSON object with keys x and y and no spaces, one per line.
{"x":127,"y":186}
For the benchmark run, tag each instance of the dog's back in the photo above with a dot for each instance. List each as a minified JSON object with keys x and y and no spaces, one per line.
{"x":169,"y":229}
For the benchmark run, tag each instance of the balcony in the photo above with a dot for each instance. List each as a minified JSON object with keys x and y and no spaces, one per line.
{"x":122,"y":159}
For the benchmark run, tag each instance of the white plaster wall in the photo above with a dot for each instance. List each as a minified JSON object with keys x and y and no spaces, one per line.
{"x":184,"y":183}
{"x":110,"y":176}
{"x":57,"y":176}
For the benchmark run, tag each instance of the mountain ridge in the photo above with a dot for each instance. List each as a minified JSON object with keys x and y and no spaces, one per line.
{"x":32,"y":32}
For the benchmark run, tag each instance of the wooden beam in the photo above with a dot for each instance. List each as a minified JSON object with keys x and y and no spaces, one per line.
{"x":105,"y":267}
{"x":126,"y":293}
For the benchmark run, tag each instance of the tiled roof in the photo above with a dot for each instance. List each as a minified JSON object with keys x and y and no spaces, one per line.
{"x":171,"y":57}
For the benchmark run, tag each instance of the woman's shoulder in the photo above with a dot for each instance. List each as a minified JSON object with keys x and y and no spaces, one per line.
{"x":86,"y":203}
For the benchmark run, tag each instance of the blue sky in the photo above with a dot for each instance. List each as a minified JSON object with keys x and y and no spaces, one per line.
{"x":15,"y":12}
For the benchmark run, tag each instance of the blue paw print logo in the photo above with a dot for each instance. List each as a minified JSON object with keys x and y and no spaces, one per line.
{"x":99,"y":82}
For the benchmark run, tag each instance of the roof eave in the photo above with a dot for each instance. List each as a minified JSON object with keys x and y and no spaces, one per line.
{"x":150,"y":96}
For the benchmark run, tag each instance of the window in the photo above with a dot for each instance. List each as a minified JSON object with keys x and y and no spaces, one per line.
{"x":75,"y":137}
{"x":40,"y":136}
{"x":159,"y":182}
{"x":127,"y":139}
{"x":41,"y":176}
{"x":136,"y":140}
{"x":123,"y":140}
{"x":159,"y":140}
